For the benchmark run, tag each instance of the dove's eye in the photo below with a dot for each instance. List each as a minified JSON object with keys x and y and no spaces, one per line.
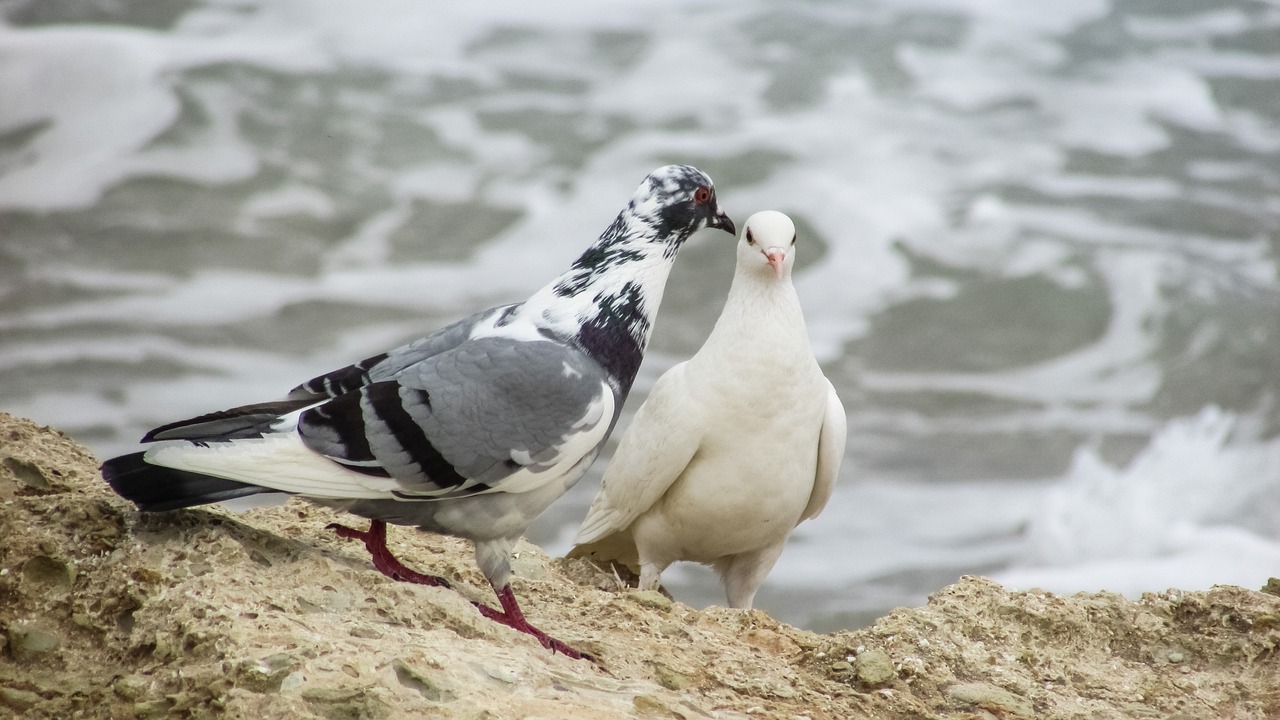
{"x":793,"y":239}
{"x":750,"y":238}
{"x":702,"y":195}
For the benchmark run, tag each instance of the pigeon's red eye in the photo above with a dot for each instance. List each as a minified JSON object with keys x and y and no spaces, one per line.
{"x":702,"y":195}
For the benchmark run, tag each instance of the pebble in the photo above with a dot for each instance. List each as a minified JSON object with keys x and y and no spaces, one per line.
{"x":990,"y":697}
{"x":873,"y":667}
{"x":28,"y":642}
{"x":19,"y":700}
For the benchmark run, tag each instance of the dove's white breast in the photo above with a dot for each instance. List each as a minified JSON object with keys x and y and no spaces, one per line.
{"x":759,"y":398}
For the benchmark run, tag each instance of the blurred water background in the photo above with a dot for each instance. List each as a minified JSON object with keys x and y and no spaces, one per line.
{"x":1038,"y":241}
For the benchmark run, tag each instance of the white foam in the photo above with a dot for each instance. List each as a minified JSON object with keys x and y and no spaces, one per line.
{"x":1200,"y":505}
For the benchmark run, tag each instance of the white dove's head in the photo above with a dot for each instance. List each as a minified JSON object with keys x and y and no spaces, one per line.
{"x":768,"y":244}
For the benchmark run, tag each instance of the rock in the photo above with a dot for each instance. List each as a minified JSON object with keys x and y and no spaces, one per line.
{"x":1272,"y":587}
{"x":26,"y":473}
{"x":991,"y":698}
{"x":27,"y":642}
{"x":650,"y":599}
{"x":49,"y":574}
{"x":20,"y":700}
{"x":873,"y":668}
{"x":425,"y":684}
{"x":346,"y":703}
{"x":105,"y":613}
{"x":670,"y":678}
{"x":265,"y":675}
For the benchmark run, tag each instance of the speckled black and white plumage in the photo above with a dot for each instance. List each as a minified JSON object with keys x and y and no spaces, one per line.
{"x":471,"y":431}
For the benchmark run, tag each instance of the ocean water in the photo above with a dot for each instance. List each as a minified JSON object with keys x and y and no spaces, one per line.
{"x":1038,"y":253}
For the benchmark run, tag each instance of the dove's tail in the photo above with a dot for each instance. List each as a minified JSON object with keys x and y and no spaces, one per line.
{"x":154,"y":488}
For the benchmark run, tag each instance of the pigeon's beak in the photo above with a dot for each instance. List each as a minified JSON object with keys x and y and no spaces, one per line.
{"x":721,"y":221}
{"x":776,"y":257}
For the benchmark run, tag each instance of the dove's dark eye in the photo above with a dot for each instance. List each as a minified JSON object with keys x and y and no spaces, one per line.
{"x":793,"y":239}
{"x":750,"y":238}
{"x":702,"y":195}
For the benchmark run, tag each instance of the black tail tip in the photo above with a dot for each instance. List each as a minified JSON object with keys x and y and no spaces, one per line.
{"x":154,"y":488}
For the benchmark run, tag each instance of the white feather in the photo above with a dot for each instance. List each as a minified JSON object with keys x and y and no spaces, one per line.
{"x":280,"y":462}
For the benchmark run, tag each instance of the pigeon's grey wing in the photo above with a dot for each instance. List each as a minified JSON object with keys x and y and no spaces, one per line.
{"x":385,"y":366}
{"x":259,"y":419}
{"x":831,"y":440}
{"x":489,"y":415}
{"x":656,"y":448}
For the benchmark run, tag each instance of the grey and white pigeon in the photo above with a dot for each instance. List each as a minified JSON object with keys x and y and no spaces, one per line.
{"x":471,"y":431}
{"x":734,"y":447}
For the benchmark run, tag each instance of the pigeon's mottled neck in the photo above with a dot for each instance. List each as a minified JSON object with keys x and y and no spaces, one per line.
{"x":606,"y":302}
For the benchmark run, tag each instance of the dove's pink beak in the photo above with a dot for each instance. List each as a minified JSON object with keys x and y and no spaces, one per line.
{"x":776,"y":256}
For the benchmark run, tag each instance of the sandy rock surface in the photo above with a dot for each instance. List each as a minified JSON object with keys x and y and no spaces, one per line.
{"x":106,"y":613}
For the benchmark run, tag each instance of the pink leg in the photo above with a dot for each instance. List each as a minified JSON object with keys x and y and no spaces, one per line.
{"x":512,"y":617}
{"x":375,"y":541}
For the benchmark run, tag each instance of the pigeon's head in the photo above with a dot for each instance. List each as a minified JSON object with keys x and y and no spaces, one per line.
{"x":768,"y":244}
{"x":678,"y":200}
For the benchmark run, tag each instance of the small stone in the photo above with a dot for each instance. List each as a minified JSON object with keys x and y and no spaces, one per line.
{"x":1140,"y":711}
{"x":265,"y":675}
{"x":1266,"y":621}
{"x":873,"y":667}
{"x":1272,"y":587}
{"x":1175,"y":657}
{"x":27,"y":473}
{"x":501,"y":674}
{"x":292,"y":681}
{"x":671,"y":678}
{"x":48,"y":574}
{"x":990,"y":697}
{"x":431,"y":688}
{"x":651,"y":599}
{"x":346,"y":703}
{"x":151,"y":708}
{"x":842,"y":668}
{"x":28,"y":641}
{"x":650,"y":706}
{"x":19,"y":700}
{"x":130,"y":687}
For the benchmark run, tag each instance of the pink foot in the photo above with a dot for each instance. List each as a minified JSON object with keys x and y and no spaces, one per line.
{"x":512,"y":617}
{"x":375,"y":541}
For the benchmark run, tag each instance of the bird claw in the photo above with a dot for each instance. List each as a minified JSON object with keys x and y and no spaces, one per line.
{"x":375,"y":541}
{"x":512,"y":617}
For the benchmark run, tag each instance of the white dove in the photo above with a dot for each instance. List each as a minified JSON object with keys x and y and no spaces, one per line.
{"x":735,"y":446}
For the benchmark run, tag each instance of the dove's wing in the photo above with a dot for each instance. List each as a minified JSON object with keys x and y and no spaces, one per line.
{"x":831,"y":440}
{"x":656,"y":448}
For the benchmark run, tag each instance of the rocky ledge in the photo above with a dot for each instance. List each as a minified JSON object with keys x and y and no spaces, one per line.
{"x":105,"y":613}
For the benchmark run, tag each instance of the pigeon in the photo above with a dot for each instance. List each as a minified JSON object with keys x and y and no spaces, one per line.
{"x":734,"y":447}
{"x":471,"y":431}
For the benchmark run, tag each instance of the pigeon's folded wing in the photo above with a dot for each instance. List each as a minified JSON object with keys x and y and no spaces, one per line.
{"x":491,"y":415}
{"x":259,"y":419}
{"x":388,"y":365}
{"x":831,"y":440}
{"x":656,"y":448}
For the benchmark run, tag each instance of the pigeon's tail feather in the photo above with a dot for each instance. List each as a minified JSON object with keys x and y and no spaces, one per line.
{"x":155,"y":488}
{"x":246,"y":421}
